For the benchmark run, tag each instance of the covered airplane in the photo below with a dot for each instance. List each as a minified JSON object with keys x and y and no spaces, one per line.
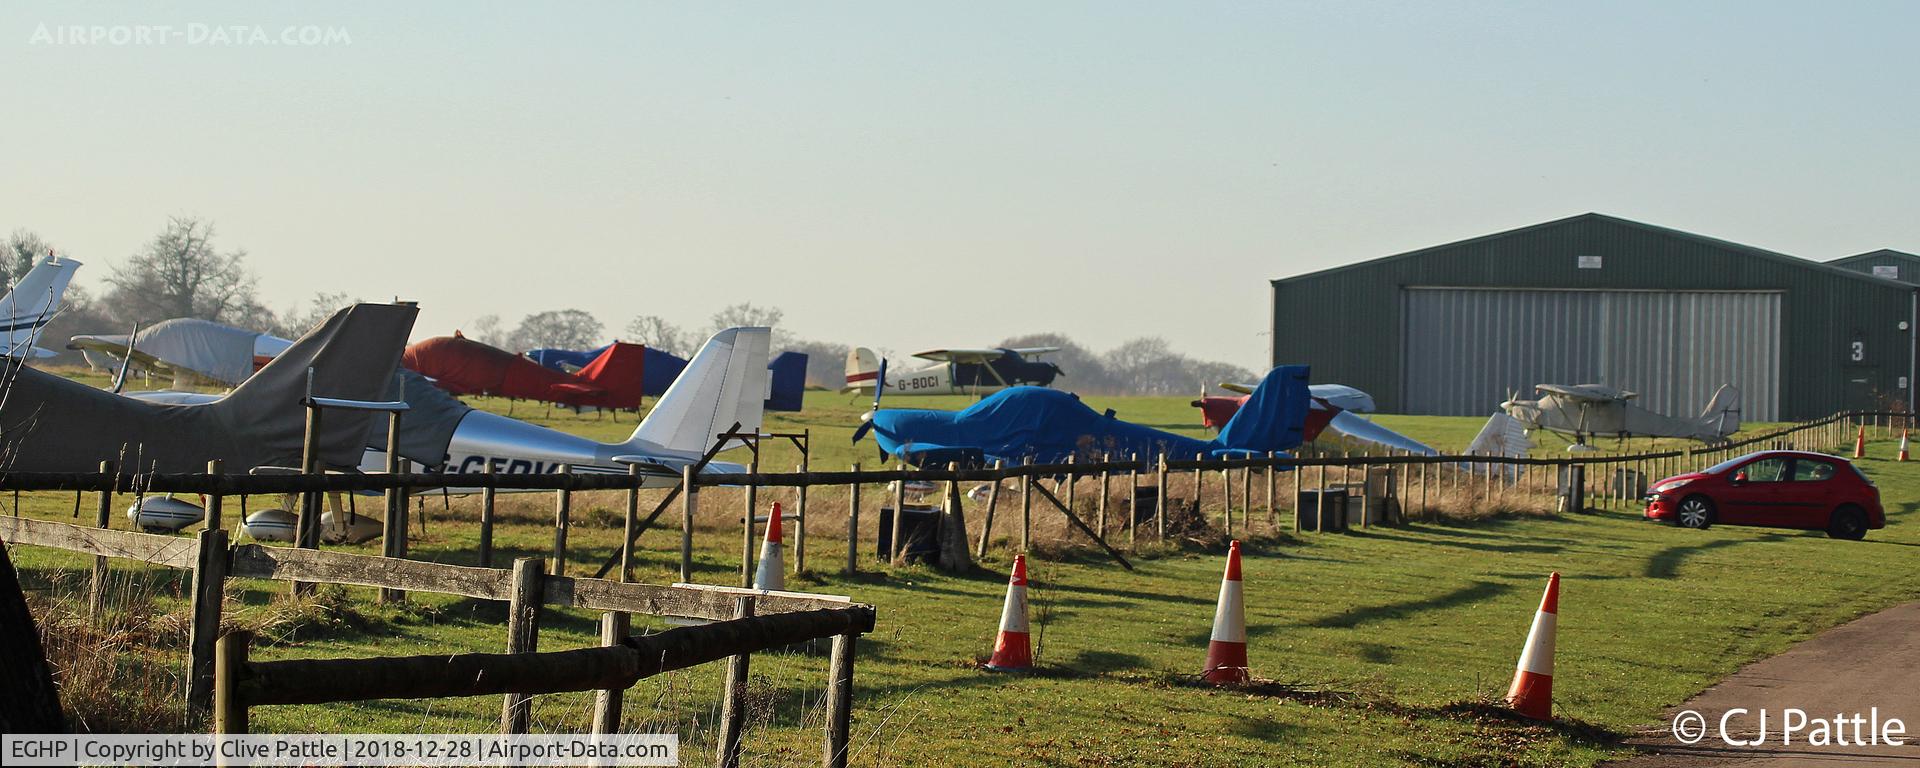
{"x":190,"y":350}
{"x":1334,"y":407}
{"x":954,"y":372}
{"x":26,"y":310}
{"x":1597,"y":410}
{"x":49,"y":423}
{"x":466,"y":367}
{"x":785,"y":390}
{"x":1045,"y":426}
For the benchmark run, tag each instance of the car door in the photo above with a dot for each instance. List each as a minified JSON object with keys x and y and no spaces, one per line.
{"x":1806,"y":499}
{"x":1753,"y":495}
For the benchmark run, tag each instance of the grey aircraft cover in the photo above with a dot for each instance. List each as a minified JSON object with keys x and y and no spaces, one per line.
{"x":427,"y":427}
{"x":52,"y":424}
{"x":217,"y":352}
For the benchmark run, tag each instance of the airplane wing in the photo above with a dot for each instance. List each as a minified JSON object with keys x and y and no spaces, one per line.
{"x":1365,"y":431}
{"x":1244,"y":389}
{"x":961,"y":355}
{"x":1034,"y":351}
{"x":116,"y":346}
{"x":1594,"y":393}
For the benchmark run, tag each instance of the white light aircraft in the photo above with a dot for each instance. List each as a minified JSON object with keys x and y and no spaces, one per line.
{"x":954,"y":371}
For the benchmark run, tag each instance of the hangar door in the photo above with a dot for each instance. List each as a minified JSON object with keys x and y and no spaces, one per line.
{"x":1467,"y":348}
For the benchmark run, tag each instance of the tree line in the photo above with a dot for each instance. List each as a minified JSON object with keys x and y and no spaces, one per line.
{"x":181,"y":273}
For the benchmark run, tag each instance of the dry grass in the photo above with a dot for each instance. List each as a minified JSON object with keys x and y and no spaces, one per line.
{"x":121,"y":671}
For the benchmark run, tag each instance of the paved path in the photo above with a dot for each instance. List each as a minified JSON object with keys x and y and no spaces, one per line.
{"x":1872,"y":662}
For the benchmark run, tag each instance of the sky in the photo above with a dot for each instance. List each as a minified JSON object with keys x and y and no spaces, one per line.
{"x":909,"y":176}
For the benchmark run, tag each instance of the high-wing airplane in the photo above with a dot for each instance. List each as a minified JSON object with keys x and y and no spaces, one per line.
{"x":954,"y":372}
{"x":26,"y":309}
{"x":189,"y":350}
{"x":1045,"y":425}
{"x":1597,"y":410}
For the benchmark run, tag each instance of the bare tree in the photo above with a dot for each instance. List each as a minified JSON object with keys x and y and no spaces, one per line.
{"x":655,"y":332}
{"x":559,"y":329}
{"x":486,"y":330}
{"x":295,"y":322}
{"x":745,"y":314}
{"x":181,"y":274}
{"x":24,"y":248}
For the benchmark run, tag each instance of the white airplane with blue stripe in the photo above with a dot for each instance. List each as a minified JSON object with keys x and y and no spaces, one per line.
{"x":26,"y":310}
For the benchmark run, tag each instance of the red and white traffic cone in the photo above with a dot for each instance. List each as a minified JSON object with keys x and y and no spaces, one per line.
{"x":1860,"y":443}
{"x":1227,"y":650}
{"x":772,"y":573}
{"x":1532,"y":692}
{"x":1013,"y":649}
{"x":1903,"y":446}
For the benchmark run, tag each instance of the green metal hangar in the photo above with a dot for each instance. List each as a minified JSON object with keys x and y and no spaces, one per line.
{"x":1454,"y":329}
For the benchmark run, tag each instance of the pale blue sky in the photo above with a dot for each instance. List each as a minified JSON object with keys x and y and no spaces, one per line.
{"x":912,"y":176}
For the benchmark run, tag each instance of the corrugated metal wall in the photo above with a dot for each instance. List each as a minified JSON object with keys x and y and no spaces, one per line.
{"x":1466,"y":349}
{"x":1348,"y":322}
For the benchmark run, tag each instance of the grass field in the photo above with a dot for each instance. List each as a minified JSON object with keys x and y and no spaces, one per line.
{"x":1383,"y":645}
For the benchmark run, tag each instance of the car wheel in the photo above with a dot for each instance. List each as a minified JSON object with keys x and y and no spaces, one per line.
{"x":1695,"y":512}
{"x":1849,"y":522}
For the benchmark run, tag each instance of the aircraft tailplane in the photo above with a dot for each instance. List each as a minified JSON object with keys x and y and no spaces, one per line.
{"x":726,"y":382}
{"x":25,"y":310}
{"x":1722,"y":415}
{"x":863,"y":369}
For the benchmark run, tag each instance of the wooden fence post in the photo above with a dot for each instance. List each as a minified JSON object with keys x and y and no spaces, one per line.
{"x":523,"y":635}
{"x":230,"y":662}
{"x":1320,"y":503}
{"x":688,"y":504}
{"x":607,"y":701}
{"x":97,"y":587}
{"x":393,"y":533}
{"x":897,"y":549}
{"x":993,"y":501}
{"x":1160,"y":504}
{"x":214,"y":516}
{"x":853,"y":523}
{"x":839,"y":700}
{"x":750,"y":499}
{"x":632,"y":521}
{"x":209,"y":594}
{"x":562,"y":510}
{"x":800,"y":511}
{"x":1073,"y":481}
{"x":1026,"y":508}
{"x":1133,"y":500}
{"x":487,"y":495}
{"x":1272,"y":456}
{"x":1106,"y":489}
{"x":733,"y":704}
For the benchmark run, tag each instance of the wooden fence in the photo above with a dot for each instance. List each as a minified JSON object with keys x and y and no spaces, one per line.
{"x":225,"y":685}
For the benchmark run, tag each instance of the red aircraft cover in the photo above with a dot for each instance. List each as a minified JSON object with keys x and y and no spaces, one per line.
{"x":617,"y":372}
{"x":465,"y":367}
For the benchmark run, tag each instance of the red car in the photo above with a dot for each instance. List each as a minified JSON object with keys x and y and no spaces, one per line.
{"x":1778,"y":489}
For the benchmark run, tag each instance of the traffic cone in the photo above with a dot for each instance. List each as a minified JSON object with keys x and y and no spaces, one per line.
{"x":772,"y":573}
{"x":1532,"y":692}
{"x":1227,"y":650}
{"x":1013,"y":649}
{"x":1903,"y":446}
{"x":1860,"y":443}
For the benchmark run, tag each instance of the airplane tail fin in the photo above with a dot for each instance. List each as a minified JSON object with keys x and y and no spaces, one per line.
{"x":863,"y":369}
{"x":1722,"y":415}
{"x":352,"y":356}
{"x":25,"y":310}
{"x":1274,"y":417}
{"x":787,"y":384}
{"x":725,"y":383}
{"x":620,"y":371}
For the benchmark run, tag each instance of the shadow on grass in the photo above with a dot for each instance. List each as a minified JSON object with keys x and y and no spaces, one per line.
{"x":1472,"y":593}
{"x":1505,"y":546}
{"x":1666,"y":563}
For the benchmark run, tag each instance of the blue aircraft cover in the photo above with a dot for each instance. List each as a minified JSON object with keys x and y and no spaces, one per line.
{"x":789,"y":381}
{"x":1047,"y":425}
{"x":566,"y":360}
